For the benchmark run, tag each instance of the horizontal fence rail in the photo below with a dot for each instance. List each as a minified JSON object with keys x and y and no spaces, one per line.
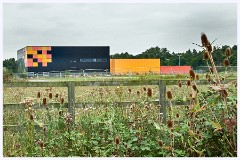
{"x":71,"y":105}
{"x":98,"y":83}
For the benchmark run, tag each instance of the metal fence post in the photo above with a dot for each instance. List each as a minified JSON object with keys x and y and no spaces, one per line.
{"x":71,"y":99}
{"x":162,"y":98}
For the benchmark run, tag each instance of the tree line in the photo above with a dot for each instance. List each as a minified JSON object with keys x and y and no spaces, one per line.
{"x":191,"y":58}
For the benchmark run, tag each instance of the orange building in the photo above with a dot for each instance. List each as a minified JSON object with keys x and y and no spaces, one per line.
{"x":175,"y":69}
{"x":134,"y":66}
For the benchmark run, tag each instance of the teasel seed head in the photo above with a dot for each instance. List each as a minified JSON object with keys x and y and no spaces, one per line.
{"x":62,"y":100}
{"x":194,"y":87}
{"x":169,"y":95}
{"x":38,"y":95}
{"x":188,"y":83}
{"x":197,"y":77}
{"x":209,"y":48}
{"x":56,"y":95}
{"x":205,"y":55}
{"x":228,"y":52}
{"x":179,"y":84}
{"x":209,"y":79}
{"x":170,"y":124}
{"x":204,"y":39}
{"x":198,"y":132}
{"x":41,"y":143}
{"x":129,"y":90}
{"x":31,"y":117}
{"x":160,"y":143}
{"x":144,"y":88}
{"x":177,"y":115}
{"x":50,"y":95}
{"x":149,"y":92}
{"x":44,"y":101}
{"x":44,"y":131}
{"x":138,"y":93}
{"x":190,"y":95}
{"x":117,"y":141}
{"x":192,"y":74}
{"x":60,"y":112}
{"x":211,"y":70}
{"x":196,"y":116}
{"x":189,"y":150}
{"x":226,"y":63}
{"x":207,"y":76}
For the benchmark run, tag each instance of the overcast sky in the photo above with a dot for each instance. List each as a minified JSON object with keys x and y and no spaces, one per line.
{"x":131,"y":28}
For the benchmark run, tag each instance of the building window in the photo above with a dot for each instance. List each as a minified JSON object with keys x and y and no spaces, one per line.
{"x":93,"y":60}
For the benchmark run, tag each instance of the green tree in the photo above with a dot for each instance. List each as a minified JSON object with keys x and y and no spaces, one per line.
{"x":10,"y":65}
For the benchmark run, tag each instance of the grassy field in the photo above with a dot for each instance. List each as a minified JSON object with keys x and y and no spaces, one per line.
{"x":206,"y":127}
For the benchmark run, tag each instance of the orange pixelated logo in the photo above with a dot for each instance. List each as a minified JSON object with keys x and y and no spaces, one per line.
{"x":37,"y":56}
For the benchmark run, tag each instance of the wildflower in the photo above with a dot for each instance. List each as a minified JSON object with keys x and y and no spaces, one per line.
{"x":149,"y":92}
{"x":56,"y":95}
{"x":132,"y":107}
{"x":230,"y":124}
{"x":188,"y":82}
{"x":169,"y":94}
{"x":69,"y":118}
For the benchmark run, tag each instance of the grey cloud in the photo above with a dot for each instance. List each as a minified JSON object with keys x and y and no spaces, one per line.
{"x":129,"y":28}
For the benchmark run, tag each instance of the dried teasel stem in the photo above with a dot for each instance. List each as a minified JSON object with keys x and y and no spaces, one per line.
{"x":214,"y":68}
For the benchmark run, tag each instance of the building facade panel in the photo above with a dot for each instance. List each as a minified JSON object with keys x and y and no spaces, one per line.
{"x":62,"y":58}
{"x":175,"y":69}
{"x":135,"y":66}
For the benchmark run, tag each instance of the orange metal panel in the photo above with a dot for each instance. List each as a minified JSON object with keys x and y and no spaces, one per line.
{"x":141,"y":66}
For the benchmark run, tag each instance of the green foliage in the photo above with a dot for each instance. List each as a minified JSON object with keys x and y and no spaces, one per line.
{"x":188,"y":58}
{"x":10,"y":64}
